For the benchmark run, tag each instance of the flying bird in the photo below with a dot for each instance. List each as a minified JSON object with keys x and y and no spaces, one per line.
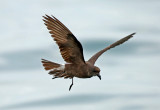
{"x":72,"y":53}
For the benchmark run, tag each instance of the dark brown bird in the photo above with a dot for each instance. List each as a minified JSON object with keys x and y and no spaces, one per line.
{"x":72,"y":52}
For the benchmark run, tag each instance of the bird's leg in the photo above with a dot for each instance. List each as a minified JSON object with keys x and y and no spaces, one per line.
{"x":71,"y":85}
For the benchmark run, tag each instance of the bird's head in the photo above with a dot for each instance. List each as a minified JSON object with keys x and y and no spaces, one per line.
{"x":96,"y":72}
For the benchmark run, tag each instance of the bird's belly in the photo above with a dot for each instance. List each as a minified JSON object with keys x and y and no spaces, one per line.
{"x":76,"y":71}
{"x":82,"y":76}
{"x":77,"y":74}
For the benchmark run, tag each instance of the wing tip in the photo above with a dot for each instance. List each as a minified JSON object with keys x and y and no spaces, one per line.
{"x":47,"y":16}
{"x":132,"y":34}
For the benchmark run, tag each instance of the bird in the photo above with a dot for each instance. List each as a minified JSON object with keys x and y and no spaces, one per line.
{"x":72,"y":52}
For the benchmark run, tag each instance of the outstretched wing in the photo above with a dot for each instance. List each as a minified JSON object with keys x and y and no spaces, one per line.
{"x":93,"y":59}
{"x":70,"y":48}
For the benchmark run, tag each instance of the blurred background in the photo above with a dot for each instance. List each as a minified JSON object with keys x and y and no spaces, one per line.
{"x":130,"y":72}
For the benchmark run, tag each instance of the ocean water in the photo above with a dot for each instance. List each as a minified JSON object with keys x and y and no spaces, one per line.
{"x":130,"y":72}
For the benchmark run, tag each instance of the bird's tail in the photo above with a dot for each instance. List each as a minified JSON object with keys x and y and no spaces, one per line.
{"x":57,"y":70}
{"x":48,"y":65}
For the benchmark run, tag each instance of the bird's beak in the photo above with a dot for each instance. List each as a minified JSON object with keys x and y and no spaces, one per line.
{"x":99,"y":76}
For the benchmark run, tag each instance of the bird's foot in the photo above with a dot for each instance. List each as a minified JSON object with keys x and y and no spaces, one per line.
{"x":71,"y":85}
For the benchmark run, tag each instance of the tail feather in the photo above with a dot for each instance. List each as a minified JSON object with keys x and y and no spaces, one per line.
{"x":48,"y":65}
{"x":57,"y":70}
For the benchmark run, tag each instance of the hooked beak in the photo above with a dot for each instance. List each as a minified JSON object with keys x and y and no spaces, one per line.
{"x":99,"y":76}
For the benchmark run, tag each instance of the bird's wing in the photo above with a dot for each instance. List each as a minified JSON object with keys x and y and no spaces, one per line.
{"x":93,"y":59}
{"x":70,"y":48}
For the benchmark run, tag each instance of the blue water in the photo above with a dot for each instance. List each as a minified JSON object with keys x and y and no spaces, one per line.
{"x":130,"y":72}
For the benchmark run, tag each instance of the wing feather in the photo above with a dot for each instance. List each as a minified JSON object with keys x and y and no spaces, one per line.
{"x":93,"y":59}
{"x":70,"y":48}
